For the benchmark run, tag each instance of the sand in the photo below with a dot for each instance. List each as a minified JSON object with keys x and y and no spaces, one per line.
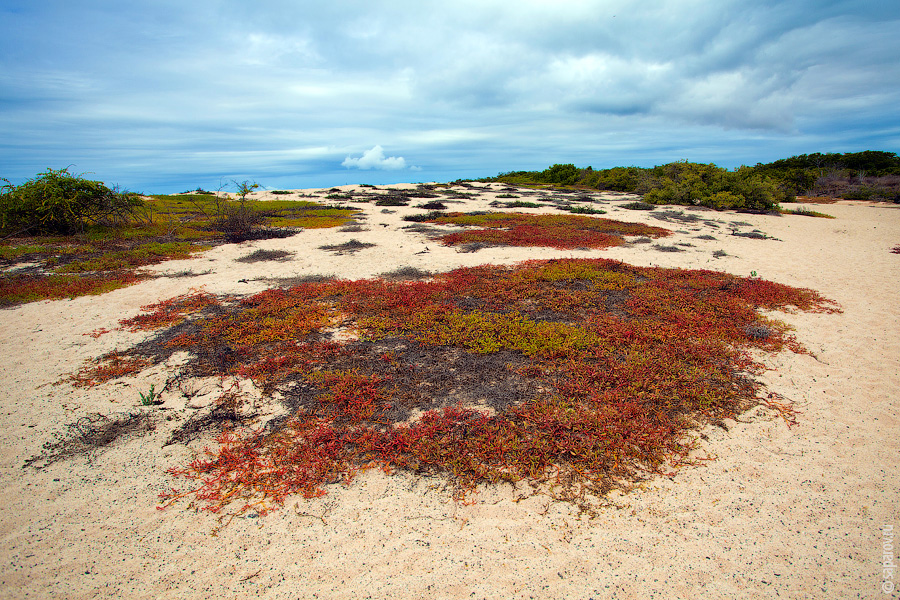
{"x":781,"y":512}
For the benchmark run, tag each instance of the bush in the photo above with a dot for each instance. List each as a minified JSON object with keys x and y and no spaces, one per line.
{"x":58,"y":202}
{"x":238,"y":219}
{"x":561,"y":174}
{"x":688,"y":183}
{"x":620,"y":179}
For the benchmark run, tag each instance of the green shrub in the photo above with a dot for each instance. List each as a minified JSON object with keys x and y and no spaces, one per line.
{"x":58,"y":202}
{"x":620,"y":179}
{"x":725,"y":200}
{"x":689,"y":183}
{"x":561,"y":174}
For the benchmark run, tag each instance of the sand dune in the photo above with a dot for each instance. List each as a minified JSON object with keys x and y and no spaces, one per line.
{"x":781,"y":512}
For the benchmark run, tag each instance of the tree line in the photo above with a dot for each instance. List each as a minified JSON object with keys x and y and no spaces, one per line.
{"x":868,"y":175}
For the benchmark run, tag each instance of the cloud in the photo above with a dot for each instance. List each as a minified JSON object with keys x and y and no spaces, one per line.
{"x":375,"y":159}
{"x":168,"y":95}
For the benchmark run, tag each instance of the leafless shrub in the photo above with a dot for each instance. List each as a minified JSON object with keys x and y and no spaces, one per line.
{"x":265,"y":255}
{"x":350,"y":247}
{"x":406,"y":273}
{"x":90,"y":434}
{"x":353,"y":228}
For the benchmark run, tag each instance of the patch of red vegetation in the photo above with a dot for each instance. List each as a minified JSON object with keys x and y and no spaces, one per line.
{"x":16,"y":289}
{"x":109,"y":366}
{"x":614,"y":365}
{"x":554,"y":231}
{"x":170,"y":312}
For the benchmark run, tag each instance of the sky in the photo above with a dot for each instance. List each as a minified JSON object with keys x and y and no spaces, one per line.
{"x":162,"y":96}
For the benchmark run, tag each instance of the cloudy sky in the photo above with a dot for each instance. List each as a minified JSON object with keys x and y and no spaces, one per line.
{"x":166,"y":95}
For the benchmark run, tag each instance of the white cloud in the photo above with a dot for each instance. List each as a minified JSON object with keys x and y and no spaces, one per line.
{"x":375,"y":159}
{"x":276,"y":91}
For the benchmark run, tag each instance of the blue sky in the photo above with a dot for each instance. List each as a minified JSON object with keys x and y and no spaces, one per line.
{"x":164,"y":96}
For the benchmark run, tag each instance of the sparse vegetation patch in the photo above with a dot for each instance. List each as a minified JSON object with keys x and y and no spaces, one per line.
{"x":90,"y":434}
{"x":347,"y":247}
{"x":555,"y":231}
{"x":262,"y":255}
{"x":93,"y":238}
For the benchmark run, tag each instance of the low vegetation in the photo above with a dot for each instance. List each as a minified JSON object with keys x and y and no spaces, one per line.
{"x":576,"y":376}
{"x":554,"y":231}
{"x":66,"y":236}
{"x":805,"y":212}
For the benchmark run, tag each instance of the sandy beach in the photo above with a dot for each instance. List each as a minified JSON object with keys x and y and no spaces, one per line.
{"x":787,"y":512}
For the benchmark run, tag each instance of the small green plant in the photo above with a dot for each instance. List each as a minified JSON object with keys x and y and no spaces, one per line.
{"x":151,"y":398}
{"x":433,"y":205}
{"x":585,"y":210}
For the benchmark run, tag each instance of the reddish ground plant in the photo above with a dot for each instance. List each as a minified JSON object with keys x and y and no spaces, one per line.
{"x":19,"y":288}
{"x":896,"y":249}
{"x":169,"y":312}
{"x":574,"y":375}
{"x":554,"y":231}
{"x":109,"y":366}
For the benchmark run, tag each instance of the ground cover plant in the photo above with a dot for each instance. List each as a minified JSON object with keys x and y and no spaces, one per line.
{"x":40,"y":267}
{"x":67,"y":236}
{"x":19,"y":288}
{"x":554,"y":231}
{"x":576,"y":376}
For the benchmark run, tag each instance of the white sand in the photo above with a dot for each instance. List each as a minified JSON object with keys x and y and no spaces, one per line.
{"x":789,"y":513}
